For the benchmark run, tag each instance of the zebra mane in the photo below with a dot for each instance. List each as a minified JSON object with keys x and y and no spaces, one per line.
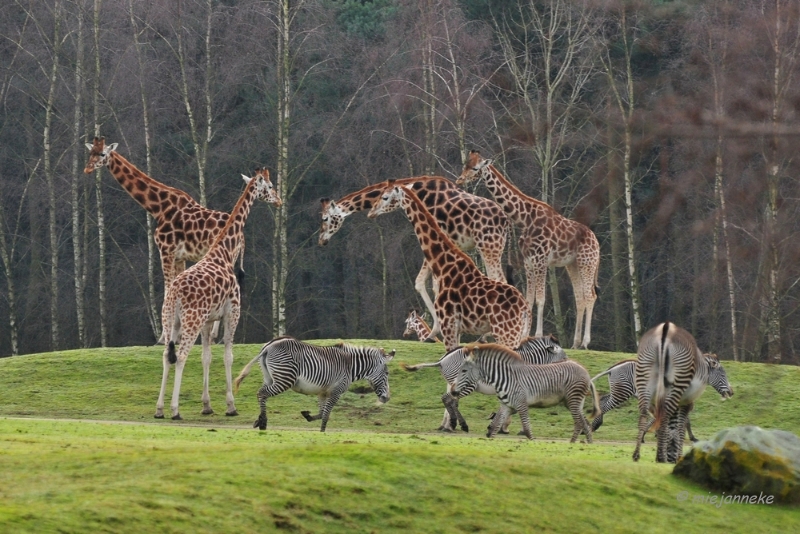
{"x":491,"y":350}
{"x":359,"y":350}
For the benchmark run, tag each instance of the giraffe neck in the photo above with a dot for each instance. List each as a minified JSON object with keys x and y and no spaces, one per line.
{"x":229,"y":241}
{"x":365,"y":198}
{"x":152,"y":195}
{"x":514,"y":202}
{"x":439,"y":250}
{"x":423,"y":330}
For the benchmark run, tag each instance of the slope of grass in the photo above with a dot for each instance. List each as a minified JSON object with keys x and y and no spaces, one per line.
{"x":379,"y":468}
{"x":61,"y":476}
{"x":122,"y":384}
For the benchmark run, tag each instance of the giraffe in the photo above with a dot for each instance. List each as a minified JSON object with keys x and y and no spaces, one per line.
{"x":415,"y":324}
{"x":472,"y":222}
{"x":468,"y":301}
{"x":184,"y":230}
{"x":548,"y":239}
{"x":206,"y":292}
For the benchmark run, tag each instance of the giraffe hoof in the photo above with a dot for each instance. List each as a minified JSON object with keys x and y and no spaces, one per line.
{"x":207,"y":411}
{"x":232,"y":414}
{"x":430,"y":340}
{"x":177,"y":417}
{"x":159,"y":416}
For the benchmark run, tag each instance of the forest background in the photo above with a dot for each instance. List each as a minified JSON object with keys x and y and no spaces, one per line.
{"x":669,"y":128}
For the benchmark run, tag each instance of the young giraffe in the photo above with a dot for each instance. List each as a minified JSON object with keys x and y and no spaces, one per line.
{"x":415,"y":324}
{"x":472,"y":222}
{"x":468,"y":301}
{"x":184,"y":230}
{"x":548,"y":239}
{"x":207,"y":292}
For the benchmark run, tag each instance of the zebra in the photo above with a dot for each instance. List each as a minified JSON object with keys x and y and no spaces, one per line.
{"x":543,"y":349}
{"x":415,"y":324}
{"x":621,"y":381}
{"x":520,"y":384}
{"x":670,"y":375}
{"x":323,"y":371}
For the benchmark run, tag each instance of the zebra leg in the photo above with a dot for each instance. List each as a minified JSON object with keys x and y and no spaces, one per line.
{"x":326,"y":405}
{"x":644,"y":402}
{"x":502,"y":413}
{"x":266,"y":391}
{"x":451,"y":405}
{"x":581,"y":424}
{"x":525,"y":419}
{"x":689,"y":430}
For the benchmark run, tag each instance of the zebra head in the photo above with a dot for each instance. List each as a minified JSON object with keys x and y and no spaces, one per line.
{"x":468,"y":376}
{"x":378,"y":376}
{"x":717,"y":377}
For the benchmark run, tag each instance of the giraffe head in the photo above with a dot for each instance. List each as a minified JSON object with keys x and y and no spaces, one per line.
{"x":475,"y":168}
{"x":391,"y":199}
{"x":98,"y":154}
{"x":263,"y":187}
{"x":411,"y":322}
{"x":332,"y":219}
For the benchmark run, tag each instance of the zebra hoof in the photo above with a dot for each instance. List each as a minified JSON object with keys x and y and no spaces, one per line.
{"x":232,"y":414}
{"x":502,"y":431}
{"x":177,"y":417}
{"x":694,"y":440}
{"x":465,"y":428}
{"x":307,"y":415}
{"x":207,"y":411}
{"x":260,"y":423}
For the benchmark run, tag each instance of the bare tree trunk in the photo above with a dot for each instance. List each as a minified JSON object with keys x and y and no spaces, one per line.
{"x":625,"y":103}
{"x":200,"y":145}
{"x":617,"y":245}
{"x":78,"y":253}
{"x":280,"y":236}
{"x":101,"y":225}
{"x":155,"y":323}
{"x":723,"y":217}
{"x":50,"y":178}
{"x":428,"y":16}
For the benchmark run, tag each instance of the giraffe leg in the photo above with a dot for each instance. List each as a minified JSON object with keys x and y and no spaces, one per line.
{"x":580,"y":301}
{"x":205,"y":336}
{"x":188,"y":337}
{"x":164,"y":377}
{"x":536,"y":273}
{"x":419,"y":285}
{"x":231,"y":320}
{"x":588,"y":265}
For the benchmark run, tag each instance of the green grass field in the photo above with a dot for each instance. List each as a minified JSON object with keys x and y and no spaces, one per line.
{"x":379,"y":468}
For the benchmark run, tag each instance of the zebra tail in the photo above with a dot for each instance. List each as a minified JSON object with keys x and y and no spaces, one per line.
{"x":660,"y":396}
{"x":596,"y":412}
{"x":244,"y":373}
{"x":413,"y":368}
{"x":171,"y":356}
{"x":604,"y":373}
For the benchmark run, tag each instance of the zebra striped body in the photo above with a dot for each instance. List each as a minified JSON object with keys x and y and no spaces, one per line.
{"x":415,"y":324}
{"x":327,"y":372}
{"x":520,"y":384}
{"x":622,"y":383}
{"x":669,"y":374}
{"x":533,"y":350}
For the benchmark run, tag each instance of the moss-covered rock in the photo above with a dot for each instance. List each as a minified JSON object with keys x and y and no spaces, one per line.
{"x":747,"y":460}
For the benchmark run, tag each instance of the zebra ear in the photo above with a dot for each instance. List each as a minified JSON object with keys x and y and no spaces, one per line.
{"x":390,"y":355}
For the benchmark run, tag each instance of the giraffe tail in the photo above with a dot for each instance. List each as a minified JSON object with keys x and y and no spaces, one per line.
{"x":240,"y":276}
{"x":171,"y":356}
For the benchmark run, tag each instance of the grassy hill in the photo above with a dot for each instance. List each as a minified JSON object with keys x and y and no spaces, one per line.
{"x":378,"y":468}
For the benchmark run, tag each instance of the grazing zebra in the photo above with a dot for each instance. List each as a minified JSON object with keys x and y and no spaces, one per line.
{"x":323,"y":371}
{"x":670,"y":375}
{"x":415,"y":324}
{"x":621,"y":381}
{"x":520,"y":384}
{"x":533,"y":350}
